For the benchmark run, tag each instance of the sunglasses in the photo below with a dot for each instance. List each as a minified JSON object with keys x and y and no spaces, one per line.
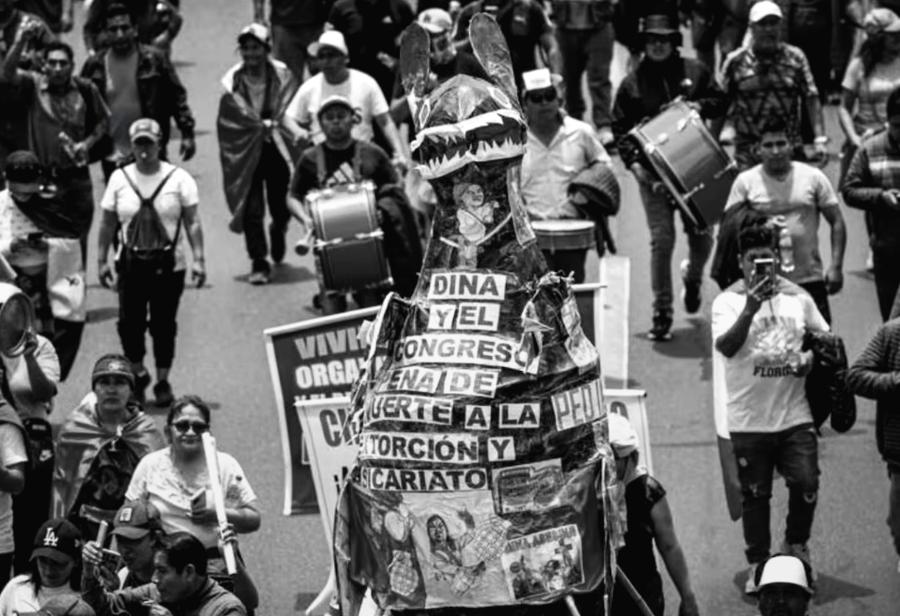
{"x":184,"y":425}
{"x":544,"y":96}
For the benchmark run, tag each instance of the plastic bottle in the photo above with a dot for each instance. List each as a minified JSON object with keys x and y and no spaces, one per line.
{"x":785,"y":245}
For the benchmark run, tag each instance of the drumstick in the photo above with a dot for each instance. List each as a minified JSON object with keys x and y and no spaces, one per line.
{"x":101,"y":533}
{"x":212,"y":465}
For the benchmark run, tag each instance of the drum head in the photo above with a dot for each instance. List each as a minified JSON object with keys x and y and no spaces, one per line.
{"x":16,"y":319}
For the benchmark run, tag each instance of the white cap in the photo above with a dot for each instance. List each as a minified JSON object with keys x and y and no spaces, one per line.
{"x":329,"y":38}
{"x":436,"y":21}
{"x":622,"y":436}
{"x":784,"y":569}
{"x":763,"y":9}
{"x":538,"y":79}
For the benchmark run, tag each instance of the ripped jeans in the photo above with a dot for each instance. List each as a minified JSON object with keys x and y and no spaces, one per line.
{"x":794,"y":452}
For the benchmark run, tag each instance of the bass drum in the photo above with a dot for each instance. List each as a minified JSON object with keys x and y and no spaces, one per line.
{"x":349,"y":243}
{"x":694,"y":168}
{"x":16,"y":319}
{"x":553,"y":235}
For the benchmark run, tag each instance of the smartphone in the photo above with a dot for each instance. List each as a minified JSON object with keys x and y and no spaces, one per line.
{"x":763,"y":269}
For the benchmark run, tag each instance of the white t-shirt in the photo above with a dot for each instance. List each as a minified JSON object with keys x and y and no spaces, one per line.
{"x":179,"y":192}
{"x":18,"y":596}
{"x":360,"y":89}
{"x":872,"y":92}
{"x":157,"y":479}
{"x":762,"y":394}
{"x":800,"y":196}
{"x":12,"y":451}
{"x":15,"y":224}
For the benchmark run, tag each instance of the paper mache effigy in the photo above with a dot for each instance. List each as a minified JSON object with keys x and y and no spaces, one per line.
{"x":480,"y":418}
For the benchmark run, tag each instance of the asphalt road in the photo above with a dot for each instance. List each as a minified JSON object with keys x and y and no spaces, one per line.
{"x":221,"y":356}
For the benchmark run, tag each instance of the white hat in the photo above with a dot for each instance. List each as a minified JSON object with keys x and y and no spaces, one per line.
{"x":436,"y":21}
{"x":329,"y":38}
{"x":763,"y":9}
{"x":881,"y":20}
{"x":255,"y":31}
{"x":538,"y":79}
{"x":622,"y":436}
{"x":784,"y":569}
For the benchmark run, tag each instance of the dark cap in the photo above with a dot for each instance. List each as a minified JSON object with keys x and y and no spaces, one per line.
{"x":135,"y":519}
{"x":57,"y":539}
{"x":658,"y":24}
{"x":22,"y":167}
{"x":112,"y":365}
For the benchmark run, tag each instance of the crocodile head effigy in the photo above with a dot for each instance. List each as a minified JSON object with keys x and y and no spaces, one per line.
{"x":481,"y":423}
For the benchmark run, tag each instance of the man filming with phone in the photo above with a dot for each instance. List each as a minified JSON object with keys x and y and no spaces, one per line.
{"x":758,"y":324}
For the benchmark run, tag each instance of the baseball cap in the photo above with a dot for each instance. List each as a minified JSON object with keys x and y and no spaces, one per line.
{"x":763,"y":9}
{"x":135,"y":519}
{"x":144,"y":128}
{"x":56,"y":539}
{"x":255,"y":31}
{"x":22,"y":167}
{"x":658,"y":24}
{"x":622,"y":436}
{"x":784,"y":569}
{"x":435,"y":20}
{"x":881,"y":20}
{"x":329,"y":38}
{"x":539,"y":79}
{"x":112,"y":365}
{"x":331,"y":101}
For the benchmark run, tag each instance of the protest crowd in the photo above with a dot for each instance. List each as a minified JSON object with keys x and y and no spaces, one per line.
{"x":115,"y":512}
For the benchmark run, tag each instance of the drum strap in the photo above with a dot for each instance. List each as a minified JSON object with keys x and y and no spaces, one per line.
{"x":322,"y":172}
{"x":486,"y":237}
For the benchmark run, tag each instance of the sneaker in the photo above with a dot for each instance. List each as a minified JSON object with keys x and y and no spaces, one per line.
{"x":162,"y":394}
{"x":277,"y":246}
{"x":750,"y":584}
{"x":606,"y":137}
{"x":258,"y":278}
{"x":870,"y":263}
{"x":662,"y":323}
{"x":726,"y":137}
{"x":690,"y":291}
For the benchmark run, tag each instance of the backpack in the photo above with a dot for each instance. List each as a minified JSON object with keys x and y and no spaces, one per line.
{"x":146,"y":246}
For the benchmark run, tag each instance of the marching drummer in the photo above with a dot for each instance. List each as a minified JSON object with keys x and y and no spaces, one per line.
{"x":662,"y":75}
{"x":559,"y":151}
{"x":341,"y":159}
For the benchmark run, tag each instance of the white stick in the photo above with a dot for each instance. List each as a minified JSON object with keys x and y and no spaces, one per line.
{"x":212,"y":465}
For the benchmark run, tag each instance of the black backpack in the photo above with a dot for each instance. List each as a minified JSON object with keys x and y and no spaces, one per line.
{"x":146,"y":246}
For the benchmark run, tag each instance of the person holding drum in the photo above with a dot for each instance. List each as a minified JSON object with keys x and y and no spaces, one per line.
{"x":559,"y":148}
{"x":343,"y":161}
{"x":662,"y":75}
{"x":769,"y":78}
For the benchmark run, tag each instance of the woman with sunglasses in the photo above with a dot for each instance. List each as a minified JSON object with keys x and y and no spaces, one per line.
{"x":176,"y":481}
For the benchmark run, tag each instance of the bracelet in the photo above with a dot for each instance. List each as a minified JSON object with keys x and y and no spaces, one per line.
{"x":821,"y":140}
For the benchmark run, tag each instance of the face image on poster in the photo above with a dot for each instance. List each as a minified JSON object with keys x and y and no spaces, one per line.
{"x":459,"y":540}
{"x":543,"y":563}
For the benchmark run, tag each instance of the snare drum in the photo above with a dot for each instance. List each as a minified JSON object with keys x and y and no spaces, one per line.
{"x":694,"y":168}
{"x":349,"y":241}
{"x":553,"y":235}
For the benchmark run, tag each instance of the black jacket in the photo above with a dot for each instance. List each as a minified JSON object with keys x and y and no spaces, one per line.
{"x":162,"y":95}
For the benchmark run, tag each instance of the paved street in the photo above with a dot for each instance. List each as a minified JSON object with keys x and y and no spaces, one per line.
{"x":221,"y":356}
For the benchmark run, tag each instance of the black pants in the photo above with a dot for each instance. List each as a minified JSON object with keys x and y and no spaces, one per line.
{"x":31,"y":508}
{"x":160,"y":294}
{"x":270,"y":183}
{"x":66,"y":340}
{"x":887,"y":278}
{"x":820,"y":295}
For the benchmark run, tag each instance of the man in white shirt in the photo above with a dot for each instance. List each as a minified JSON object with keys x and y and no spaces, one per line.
{"x":336,"y":78}
{"x":795,"y":194}
{"x":758,"y":325}
{"x":558,"y":149}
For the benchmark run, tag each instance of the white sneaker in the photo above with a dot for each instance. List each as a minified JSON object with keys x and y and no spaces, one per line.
{"x":750,"y":584}
{"x":606,"y":137}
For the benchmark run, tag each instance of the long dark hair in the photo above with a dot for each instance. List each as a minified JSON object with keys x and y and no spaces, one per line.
{"x":74,"y":579}
{"x":871,"y":52}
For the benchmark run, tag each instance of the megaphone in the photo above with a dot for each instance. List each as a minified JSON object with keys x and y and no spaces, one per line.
{"x":16,"y":320}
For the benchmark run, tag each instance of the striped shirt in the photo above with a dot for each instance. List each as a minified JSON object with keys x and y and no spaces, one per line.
{"x":875,"y":168}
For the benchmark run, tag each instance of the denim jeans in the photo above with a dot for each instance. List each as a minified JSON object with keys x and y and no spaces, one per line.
{"x":661,"y":220}
{"x":270,"y":184}
{"x":590,"y":50}
{"x":794,"y":452}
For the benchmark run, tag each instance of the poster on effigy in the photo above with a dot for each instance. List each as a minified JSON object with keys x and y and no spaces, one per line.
{"x":543,"y":563}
